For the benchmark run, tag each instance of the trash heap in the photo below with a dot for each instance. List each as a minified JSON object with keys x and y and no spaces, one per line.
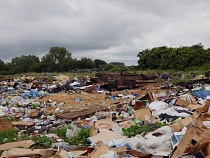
{"x":77,"y":118}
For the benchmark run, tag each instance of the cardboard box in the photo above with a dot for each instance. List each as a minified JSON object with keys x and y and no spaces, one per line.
{"x":105,"y":136}
{"x":103,"y":149}
{"x":189,"y":105}
{"x":182,"y":102}
{"x":192,"y":137}
{"x":206,"y":106}
{"x":140,"y":114}
{"x":126,"y":124}
{"x":140,"y":104}
{"x":93,"y":129}
{"x":150,"y":97}
{"x":147,"y":99}
{"x":104,"y":124}
{"x":176,"y":127}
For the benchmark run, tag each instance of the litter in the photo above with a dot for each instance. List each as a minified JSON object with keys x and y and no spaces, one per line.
{"x":91,"y":118}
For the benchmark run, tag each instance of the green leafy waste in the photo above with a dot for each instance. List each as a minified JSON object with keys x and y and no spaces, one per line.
{"x":135,"y":129}
{"x":43,"y":141}
{"x":81,"y":138}
{"x":12,"y":136}
{"x":61,"y":132}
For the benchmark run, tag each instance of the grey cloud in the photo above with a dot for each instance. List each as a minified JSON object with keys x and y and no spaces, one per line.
{"x":108,"y":30}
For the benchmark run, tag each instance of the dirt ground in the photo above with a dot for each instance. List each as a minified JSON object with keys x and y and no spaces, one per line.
{"x":96,"y":98}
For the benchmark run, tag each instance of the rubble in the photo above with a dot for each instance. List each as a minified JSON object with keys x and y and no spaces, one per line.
{"x":145,"y":117}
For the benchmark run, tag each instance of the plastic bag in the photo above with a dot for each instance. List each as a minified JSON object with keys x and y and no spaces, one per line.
{"x":157,"y":106}
{"x":72,"y":132}
{"x":164,"y":130}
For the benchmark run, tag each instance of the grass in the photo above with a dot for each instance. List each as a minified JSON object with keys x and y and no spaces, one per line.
{"x":92,"y":74}
{"x":8,"y":136}
{"x":171,"y":71}
{"x":40,"y":75}
{"x":6,"y":118}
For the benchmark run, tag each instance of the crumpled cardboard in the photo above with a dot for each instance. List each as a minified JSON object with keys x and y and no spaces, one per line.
{"x":126,"y":124}
{"x":150,"y":97}
{"x":140,"y":114}
{"x":60,"y":154}
{"x":176,"y":127}
{"x":202,"y":147}
{"x":205,"y":117}
{"x":189,"y":105}
{"x":105,"y":136}
{"x":24,"y":143}
{"x":192,"y":137}
{"x":19,"y":152}
{"x":206,"y":106}
{"x":192,"y":98}
{"x":93,"y":129}
{"x":103,"y":149}
{"x":140,"y":104}
{"x":147,"y":99}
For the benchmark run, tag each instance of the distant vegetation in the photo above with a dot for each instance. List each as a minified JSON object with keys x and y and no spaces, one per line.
{"x":182,"y":58}
{"x":59,"y":59}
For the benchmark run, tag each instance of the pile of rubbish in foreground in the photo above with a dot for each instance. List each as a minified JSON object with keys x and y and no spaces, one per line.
{"x":77,"y":118}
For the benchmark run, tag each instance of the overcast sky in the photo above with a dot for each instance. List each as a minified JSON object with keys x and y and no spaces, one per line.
{"x":111,"y":30}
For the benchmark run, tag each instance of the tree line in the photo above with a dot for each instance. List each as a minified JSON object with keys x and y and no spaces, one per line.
{"x":193,"y":57}
{"x":59,"y":59}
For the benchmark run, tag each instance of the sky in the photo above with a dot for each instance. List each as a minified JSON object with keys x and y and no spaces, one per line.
{"x":110,"y":30}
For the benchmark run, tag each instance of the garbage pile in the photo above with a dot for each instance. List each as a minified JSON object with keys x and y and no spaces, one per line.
{"x":76,"y":118}
{"x":123,"y":80}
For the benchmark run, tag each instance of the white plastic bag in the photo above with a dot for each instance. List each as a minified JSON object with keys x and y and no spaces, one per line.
{"x":164,"y":130}
{"x":157,"y":106}
{"x":72,"y":132}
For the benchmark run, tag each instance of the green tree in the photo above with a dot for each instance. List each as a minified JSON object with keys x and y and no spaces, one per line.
{"x":173,"y":58}
{"x":109,"y":66}
{"x":58,"y":59}
{"x":24,"y":64}
{"x":99,"y":63}
{"x":2,"y":67}
{"x":85,"y":63}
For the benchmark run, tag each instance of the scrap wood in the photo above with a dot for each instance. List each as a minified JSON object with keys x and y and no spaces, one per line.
{"x":123,"y":80}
